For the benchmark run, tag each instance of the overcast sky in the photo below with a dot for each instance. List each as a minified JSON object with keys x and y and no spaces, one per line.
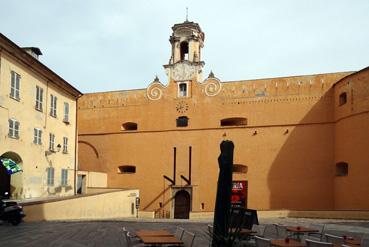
{"x":104,"y":45}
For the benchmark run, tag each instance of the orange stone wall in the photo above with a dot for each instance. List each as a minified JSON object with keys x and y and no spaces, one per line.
{"x":352,"y":142}
{"x":294,"y":136}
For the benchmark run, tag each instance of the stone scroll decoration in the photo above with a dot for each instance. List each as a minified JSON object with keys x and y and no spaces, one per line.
{"x":212,"y":85}
{"x":155,"y":90}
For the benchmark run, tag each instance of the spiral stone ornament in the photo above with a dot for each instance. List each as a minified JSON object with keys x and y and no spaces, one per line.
{"x":213,"y":87}
{"x":154,"y":92}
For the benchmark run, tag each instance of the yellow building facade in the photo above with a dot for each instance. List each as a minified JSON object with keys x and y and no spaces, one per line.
{"x":300,"y":141}
{"x":37,"y":125}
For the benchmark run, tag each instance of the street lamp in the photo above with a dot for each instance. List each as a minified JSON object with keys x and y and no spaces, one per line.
{"x":49,"y":152}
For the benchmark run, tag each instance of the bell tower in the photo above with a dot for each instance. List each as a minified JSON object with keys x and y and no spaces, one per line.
{"x":185,"y":65}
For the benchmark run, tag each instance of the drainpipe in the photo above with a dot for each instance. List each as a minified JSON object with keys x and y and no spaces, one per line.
{"x":75,"y":147}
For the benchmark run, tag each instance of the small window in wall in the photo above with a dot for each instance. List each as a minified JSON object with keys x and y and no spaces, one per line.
{"x":66,"y":113}
{"x":50,"y":175}
{"x":182,"y":121}
{"x":39,"y":98}
{"x":15,"y":85}
{"x":342,"y":98}
{"x":126,"y":169}
{"x":237,"y":168}
{"x":129,"y":126}
{"x":341,"y":169}
{"x":13,"y":129}
{"x":53,"y":100}
{"x":64,"y":177}
{"x":184,"y":50}
{"x":37,"y":136}
{"x":182,"y":90}
{"x":236,"y":121}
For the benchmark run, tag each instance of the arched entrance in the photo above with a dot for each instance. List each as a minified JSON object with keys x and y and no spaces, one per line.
{"x":182,"y":204}
{"x":5,"y":178}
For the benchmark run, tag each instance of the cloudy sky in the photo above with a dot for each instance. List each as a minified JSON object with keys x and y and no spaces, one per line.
{"x":104,"y":45}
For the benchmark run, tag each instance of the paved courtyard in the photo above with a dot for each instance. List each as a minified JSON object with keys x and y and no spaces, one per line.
{"x":108,"y":233}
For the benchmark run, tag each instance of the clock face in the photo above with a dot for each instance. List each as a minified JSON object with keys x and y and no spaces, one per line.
{"x":181,"y":107}
{"x":183,"y":71}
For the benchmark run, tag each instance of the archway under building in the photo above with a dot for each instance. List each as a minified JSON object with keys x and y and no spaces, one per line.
{"x":182,"y":205}
{"x":5,"y":178}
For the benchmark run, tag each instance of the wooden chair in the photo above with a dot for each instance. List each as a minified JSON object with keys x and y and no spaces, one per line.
{"x":333,"y":239}
{"x":313,"y":243}
{"x":188,"y":238}
{"x":262,"y":242}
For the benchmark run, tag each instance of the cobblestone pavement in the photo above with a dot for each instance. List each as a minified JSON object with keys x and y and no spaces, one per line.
{"x":109,"y":233}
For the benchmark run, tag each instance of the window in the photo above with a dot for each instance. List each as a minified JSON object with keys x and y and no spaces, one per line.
{"x":342,"y":99}
{"x":51,"y":142}
{"x":14,"y":85}
{"x":129,"y":126}
{"x":126,"y":169}
{"x":184,"y":50}
{"x":182,"y":90}
{"x":236,"y":121}
{"x":13,"y":129}
{"x":50,"y":175}
{"x":53,"y":105}
{"x":66,"y":113}
{"x":37,"y":136}
{"x":65,"y":145}
{"x":64,"y":177}
{"x":341,"y":169}
{"x":182,"y":121}
{"x":39,"y":98}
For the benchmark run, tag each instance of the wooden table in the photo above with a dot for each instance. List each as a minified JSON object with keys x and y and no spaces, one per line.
{"x":283,"y":243}
{"x":352,"y":241}
{"x":300,"y":230}
{"x":160,"y":240}
{"x":153,"y":233}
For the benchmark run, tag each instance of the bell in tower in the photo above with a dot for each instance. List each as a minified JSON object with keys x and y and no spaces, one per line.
{"x":185,"y":63}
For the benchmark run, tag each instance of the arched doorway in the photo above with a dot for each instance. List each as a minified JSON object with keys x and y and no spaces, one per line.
{"x":5,"y":178}
{"x":182,"y":204}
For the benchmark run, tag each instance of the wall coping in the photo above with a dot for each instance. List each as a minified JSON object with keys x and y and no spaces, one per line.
{"x":56,"y":199}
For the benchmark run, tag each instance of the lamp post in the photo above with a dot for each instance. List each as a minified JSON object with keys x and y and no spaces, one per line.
{"x":49,"y":152}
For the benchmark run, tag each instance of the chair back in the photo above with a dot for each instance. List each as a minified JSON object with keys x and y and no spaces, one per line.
{"x":188,"y":238}
{"x":262,"y":242}
{"x":179,"y":233}
{"x":364,"y":241}
{"x":128,"y":239}
{"x":314,"y":243}
{"x":210,"y":230}
{"x":333,"y":239}
{"x":281,"y":231}
{"x":125,"y":235}
{"x":259,"y":229}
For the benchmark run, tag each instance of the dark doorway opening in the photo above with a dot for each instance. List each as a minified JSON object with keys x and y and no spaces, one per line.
{"x":4,"y":180}
{"x":182,"y":205}
{"x":81,"y":184}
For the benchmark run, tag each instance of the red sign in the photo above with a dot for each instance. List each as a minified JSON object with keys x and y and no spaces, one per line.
{"x":239,"y":193}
